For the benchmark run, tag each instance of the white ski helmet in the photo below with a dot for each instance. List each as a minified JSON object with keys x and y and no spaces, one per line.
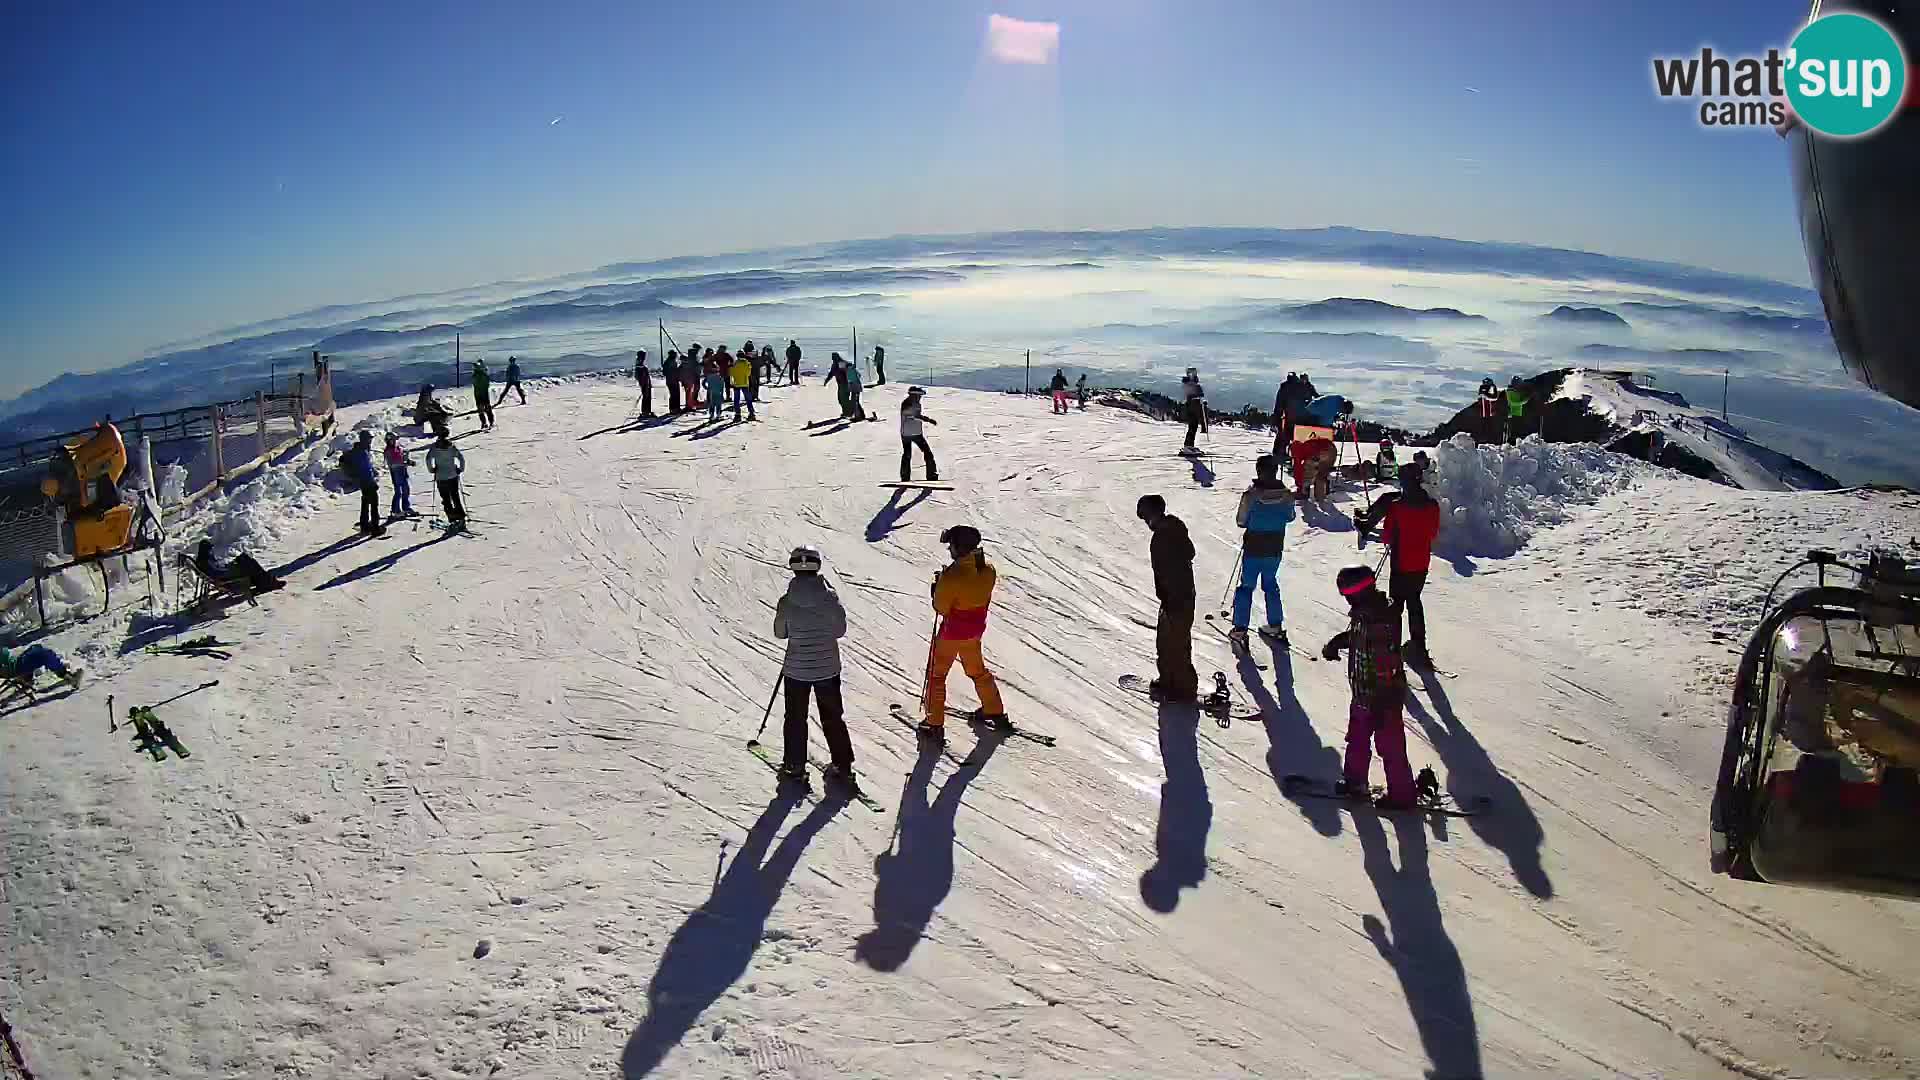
{"x":805,"y":560}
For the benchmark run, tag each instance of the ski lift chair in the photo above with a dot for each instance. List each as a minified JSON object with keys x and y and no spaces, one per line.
{"x":1820,"y":777}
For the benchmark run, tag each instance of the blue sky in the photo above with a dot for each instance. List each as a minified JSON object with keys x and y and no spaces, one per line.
{"x":177,"y":169}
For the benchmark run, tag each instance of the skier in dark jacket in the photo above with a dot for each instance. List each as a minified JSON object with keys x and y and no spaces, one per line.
{"x":1286,"y":403}
{"x":1172,"y":556}
{"x":879,"y":365}
{"x":1379,"y":685}
{"x":482,"y":401}
{"x":644,"y":375}
{"x":1059,"y":387}
{"x":1409,"y":520}
{"x":793,"y":362}
{"x":670,"y":374}
{"x":357,"y":464}
{"x":513,"y":382}
{"x":837,"y":373}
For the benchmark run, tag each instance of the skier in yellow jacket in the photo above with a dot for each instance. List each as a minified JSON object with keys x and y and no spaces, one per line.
{"x":962,"y":593}
{"x":739,"y":377}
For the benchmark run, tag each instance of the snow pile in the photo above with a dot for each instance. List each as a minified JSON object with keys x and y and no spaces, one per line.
{"x":1493,"y":498}
{"x":259,"y":511}
{"x":173,"y":484}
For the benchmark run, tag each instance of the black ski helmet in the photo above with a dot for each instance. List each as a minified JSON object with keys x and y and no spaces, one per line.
{"x":804,"y":560}
{"x":1149,"y":506}
{"x":964,"y":537}
{"x":1412,"y":474}
{"x":1354,"y":580}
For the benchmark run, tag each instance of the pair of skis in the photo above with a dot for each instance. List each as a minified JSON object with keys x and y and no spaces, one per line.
{"x":973,"y":719}
{"x":853,"y":791}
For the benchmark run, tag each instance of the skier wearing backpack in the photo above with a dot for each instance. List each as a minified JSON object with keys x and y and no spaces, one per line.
{"x":911,"y":436}
{"x":1195,"y":405}
{"x":1266,"y":508}
{"x":811,"y":619}
{"x":1379,"y":686}
{"x":1409,"y":521}
{"x":357,"y":464}
{"x":962,"y":595}
{"x":1059,"y":386}
{"x":855,"y":410}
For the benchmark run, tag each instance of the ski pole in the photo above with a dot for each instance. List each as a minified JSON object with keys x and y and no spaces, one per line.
{"x":112,"y":725}
{"x":768,"y":715}
{"x":1239,"y":569}
{"x":183,"y":693}
{"x":926,"y":674}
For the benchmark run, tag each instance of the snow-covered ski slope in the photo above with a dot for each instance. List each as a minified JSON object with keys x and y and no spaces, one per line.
{"x":532,"y":738}
{"x":1741,"y":460}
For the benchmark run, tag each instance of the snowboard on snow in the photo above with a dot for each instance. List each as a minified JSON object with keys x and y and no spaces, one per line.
{"x":1428,"y":798}
{"x":853,"y":792}
{"x":1219,"y":704}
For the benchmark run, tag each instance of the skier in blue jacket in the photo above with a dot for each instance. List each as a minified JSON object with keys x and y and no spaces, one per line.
{"x":1266,"y":508}
{"x":357,"y":464}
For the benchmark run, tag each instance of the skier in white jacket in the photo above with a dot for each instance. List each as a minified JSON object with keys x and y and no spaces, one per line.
{"x":812,"y":621}
{"x":446,"y":463}
{"x":912,"y":435}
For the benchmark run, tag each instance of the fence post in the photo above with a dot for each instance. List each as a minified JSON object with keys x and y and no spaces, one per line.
{"x":1029,"y":371}
{"x":219,"y":465}
{"x":260,"y":408}
{"x":300,"y":405}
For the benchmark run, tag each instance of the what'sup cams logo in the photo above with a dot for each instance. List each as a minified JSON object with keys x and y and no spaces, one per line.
{"x":1844,"y":75}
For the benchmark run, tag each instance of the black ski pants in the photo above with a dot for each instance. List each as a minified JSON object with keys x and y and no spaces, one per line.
{"x":1173,"y":646}
{"x":646,"y":399}
{"x":907,"y":443}
{"x":450,"y":503}
{"x":369,"y":506}
{"x":1404,"y":590}
{"x":673,"y":395}
{"x":833,"y":723}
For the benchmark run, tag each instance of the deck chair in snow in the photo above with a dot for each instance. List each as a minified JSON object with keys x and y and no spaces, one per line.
{"x":208,"y":593}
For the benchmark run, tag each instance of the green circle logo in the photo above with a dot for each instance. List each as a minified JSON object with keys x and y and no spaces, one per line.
{"x":1846,"y":74}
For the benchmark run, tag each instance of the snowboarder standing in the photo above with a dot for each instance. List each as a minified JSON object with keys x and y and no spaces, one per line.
{"x":962,"y":594}
{"x":446,"y":463}
{"x":1266,"y":508}
{"x":1172,"y":557}
{"x":793,"y":362}
{"x":1195,"y":406}
{"x":912,"y":435}
{"x":357,"y":464}
{"x":19,"y":670}
{"x":644,"y":375}
{"x":1409,"y":520}
{"x":399,"y":463}
{"x":670,"y":374}
{"x":879,"y":365}
{"x":513,"y":382}
{"x":1059,"y":386}
{"x":1379,"y":685}
{"x":812,"y":621}
{"x":483,"y":404}
{"x":1080,"y":390}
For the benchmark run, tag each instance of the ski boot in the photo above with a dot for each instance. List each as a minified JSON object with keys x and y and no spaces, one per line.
{"x":1415,"y":656}
{"x":1274,"y":633}
{"x":788,"y":776}
{"x":74,"y":676}
{"x":1387,"y":802}
{"x":1237,"y":641}
{"x":1161,"y":697}
{"x":841,"y":776}
{"x":1344,"y":788}
{"x":932,"y":734}
{"x":997,"y":721}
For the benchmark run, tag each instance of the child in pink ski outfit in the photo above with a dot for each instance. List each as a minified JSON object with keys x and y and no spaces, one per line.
{"x":1379,"y":684}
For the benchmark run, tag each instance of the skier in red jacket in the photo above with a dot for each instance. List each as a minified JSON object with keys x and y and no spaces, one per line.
{"x":1409,"y":520}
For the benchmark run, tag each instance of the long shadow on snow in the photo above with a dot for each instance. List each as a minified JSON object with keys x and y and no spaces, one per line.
{"x":1201,"y":474}
{"x":1293,"y":746}
{"x":1420,"y":952}
{"x":384,"y":562}
{"x":1186,"y":813}
{"x":21,"y":702}
{"x":715,"y":944}
{"x":1510,"y":825}
{"x":718,"y":427}
{"x":641,"y":424}
{"x":1322,"y":518}
{"x":911,"y":880}
{"x":835,"y":430}
{"x":311,"y":557}
{"x":883,"y":522}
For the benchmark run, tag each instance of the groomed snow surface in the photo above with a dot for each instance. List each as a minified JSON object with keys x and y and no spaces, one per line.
{"x":479,"y":806}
